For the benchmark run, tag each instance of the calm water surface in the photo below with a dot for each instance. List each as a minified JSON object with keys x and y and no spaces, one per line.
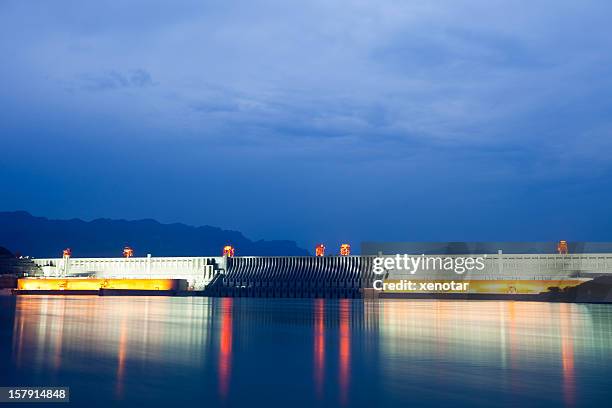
{"x":297,"y":353}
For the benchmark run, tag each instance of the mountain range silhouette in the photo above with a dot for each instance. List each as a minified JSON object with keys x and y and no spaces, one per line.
{"x":40,"y":237}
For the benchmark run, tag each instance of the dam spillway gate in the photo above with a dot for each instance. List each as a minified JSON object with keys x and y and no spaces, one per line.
{"x":294,"y":277}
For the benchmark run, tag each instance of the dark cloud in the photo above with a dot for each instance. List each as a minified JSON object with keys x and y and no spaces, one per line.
{"x":137,"y":78}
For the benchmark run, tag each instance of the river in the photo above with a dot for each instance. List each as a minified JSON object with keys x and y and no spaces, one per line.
{"x":210,"y":352}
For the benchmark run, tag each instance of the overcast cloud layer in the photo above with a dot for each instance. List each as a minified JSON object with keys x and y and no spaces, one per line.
{"x":326,"y":121}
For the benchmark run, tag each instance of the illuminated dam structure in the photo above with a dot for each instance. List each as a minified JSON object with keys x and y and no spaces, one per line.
{"x":349,"y":276}
{"x":295,"y":276}
{"x":197,"y":272}
{"x":280,"y":276}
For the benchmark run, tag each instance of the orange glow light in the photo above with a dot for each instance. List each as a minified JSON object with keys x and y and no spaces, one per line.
{"x":97,"y":284}
{"x":562,"y":247}
{"x":67,"y":252}
{"x":128,"y":252}
{"x":345,"y":249}
{"x":497,"y":286}
{"x":320,"y":250}
{"x":228,"y":251}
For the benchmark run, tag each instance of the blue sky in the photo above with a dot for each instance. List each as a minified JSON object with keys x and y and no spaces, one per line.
{"x":328,"y":121}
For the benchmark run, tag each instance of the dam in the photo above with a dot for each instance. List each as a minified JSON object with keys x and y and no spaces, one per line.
{"x":197,"y":272}
{"x":290,"y":276}
{"x":348,"y":276}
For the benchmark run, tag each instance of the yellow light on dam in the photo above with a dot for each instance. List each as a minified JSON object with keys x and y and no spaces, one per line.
{"x":494,"y":286}
{"x":97,"y":284}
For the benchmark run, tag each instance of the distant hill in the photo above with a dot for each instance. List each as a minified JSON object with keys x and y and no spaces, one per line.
{"x":5,"y":253}
{"x":44,"y":238}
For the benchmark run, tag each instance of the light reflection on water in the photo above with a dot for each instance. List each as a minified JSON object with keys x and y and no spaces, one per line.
{"x":305,"y":352}
{"x":519,"y":347}
{"x":225,"y":348}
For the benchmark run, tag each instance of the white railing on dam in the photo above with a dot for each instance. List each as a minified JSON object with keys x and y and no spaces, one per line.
{"x":197,"y":271}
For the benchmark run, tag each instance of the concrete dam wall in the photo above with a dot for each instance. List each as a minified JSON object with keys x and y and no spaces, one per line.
{"x":336,"y":276}
{"x":352,"y":276}
{"x":295,"y":277}
{"x":197,"y":271}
